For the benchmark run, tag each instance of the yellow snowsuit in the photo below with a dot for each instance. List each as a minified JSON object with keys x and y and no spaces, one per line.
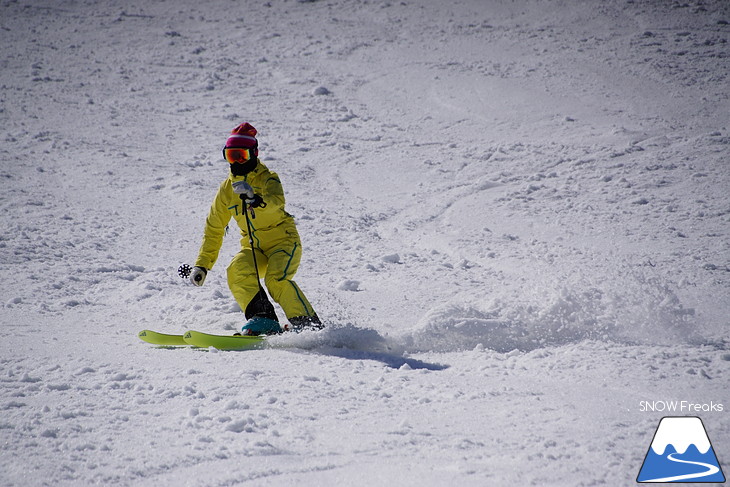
{"x":276,"y":242}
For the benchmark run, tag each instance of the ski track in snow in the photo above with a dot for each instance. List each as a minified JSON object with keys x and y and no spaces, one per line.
{"x":514,"y":217}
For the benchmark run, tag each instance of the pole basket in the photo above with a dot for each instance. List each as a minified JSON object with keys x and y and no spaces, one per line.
{"x":184,"y":271}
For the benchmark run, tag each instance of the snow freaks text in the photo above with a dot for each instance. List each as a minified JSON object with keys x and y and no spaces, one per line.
{"x":680,"y":407}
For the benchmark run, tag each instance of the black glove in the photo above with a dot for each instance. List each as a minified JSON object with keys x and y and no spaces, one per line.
{"x":256,"y":202}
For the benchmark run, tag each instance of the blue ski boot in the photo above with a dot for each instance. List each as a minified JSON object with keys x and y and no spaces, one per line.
{"x":258,"y":325}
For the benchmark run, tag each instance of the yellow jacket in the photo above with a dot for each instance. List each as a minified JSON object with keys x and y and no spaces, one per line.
{"x":269,"y":225}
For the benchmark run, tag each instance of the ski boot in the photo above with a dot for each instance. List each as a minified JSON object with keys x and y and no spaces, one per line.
{"x":258,"y":325}
{"x":301,"y":323}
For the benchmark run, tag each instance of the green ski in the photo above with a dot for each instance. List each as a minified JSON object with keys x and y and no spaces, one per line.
{"x":223,"y":342}
{"x":163,"y":339}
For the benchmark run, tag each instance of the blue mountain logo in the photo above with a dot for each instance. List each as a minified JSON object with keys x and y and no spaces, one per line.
{"x":681,"y":452}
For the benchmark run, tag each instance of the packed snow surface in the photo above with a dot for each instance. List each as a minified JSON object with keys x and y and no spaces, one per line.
{"x":515,"y":218}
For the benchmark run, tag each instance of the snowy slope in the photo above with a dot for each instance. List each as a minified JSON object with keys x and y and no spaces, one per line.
{"x":514,"y":214}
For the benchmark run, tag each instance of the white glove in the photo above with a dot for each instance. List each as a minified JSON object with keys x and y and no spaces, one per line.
{"x":243,"y":188}
{"x":197,"y":275}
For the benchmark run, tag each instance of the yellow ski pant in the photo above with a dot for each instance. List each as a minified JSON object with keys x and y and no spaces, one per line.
{"x":278,"y":254}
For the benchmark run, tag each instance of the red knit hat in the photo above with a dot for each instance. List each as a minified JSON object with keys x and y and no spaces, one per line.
{"x":243,"y":137}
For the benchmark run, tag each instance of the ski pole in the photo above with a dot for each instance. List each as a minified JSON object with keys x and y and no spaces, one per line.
{"x":261,"y":304}
{"x":250,"y":239}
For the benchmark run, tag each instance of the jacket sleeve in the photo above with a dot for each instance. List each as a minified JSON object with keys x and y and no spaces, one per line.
{"x":274,"y":192}
{"x":215,"y":229}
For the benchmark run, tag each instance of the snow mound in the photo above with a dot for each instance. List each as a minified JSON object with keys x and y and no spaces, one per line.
{"x":353,"y":343}
{"x":646,"y":312}
{"x":347,"y":336}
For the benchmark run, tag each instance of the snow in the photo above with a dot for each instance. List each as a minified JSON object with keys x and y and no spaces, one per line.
{"x":514,"y":218}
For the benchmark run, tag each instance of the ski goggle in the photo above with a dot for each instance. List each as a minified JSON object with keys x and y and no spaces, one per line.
{"x":234,"y":155}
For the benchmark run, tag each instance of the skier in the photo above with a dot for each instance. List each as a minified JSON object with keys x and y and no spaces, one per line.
{"x":270,"y":244}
